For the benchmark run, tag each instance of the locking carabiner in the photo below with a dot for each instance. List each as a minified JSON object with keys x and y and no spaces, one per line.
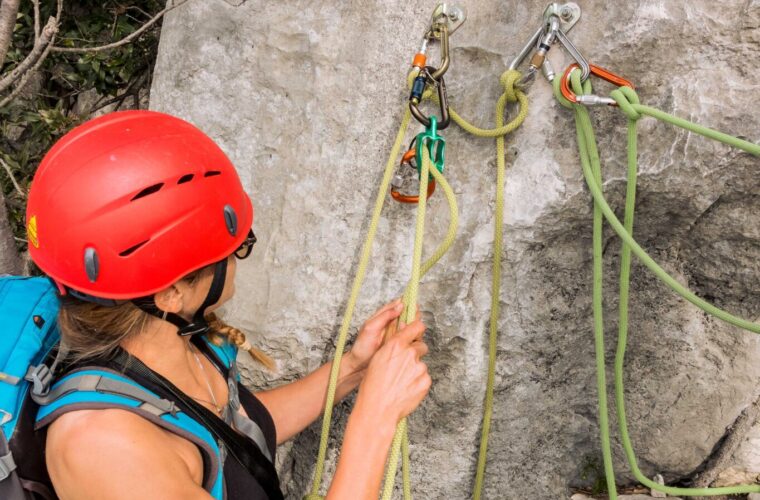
{"x":571,"y":49}
{"x":408,"y":162}
{"x":446,"y":19}
{"x":423,"y":79}
{"x":440,"y":33}
{"x":592,"y":100}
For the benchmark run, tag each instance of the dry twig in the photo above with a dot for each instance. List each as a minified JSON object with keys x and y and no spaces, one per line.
{"x":12,"y":177}
{"x":46,"y":38}
{"x":126,"y":39}
{"x":8,"y":12}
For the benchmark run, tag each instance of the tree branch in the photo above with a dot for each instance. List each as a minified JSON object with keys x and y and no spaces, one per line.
{"x":46,"y":38}
{"x":26,"y":76}
{"x":12,"y":177}
{"x":132,"y":90}
{"x":734,"y":436}
{"x":125,"y":40}
{"x":37,"y":19}
{"x":8,"y":12}
{"x":9,"y":258}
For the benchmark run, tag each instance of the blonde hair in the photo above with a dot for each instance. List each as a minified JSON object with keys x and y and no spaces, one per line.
{"x":90,"y":330}
{"x":220,"y":330}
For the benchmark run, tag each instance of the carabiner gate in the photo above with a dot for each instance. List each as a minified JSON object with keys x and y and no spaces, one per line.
{"x":406,"y":165}
{"x":558,"y":19}
{"x":423,"y":79}
{"x":592,"y":100}
{"x":446,"y":19}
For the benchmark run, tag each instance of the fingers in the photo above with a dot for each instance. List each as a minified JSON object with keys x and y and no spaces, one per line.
{"x":417,"y":317}
{"x":424,"y":382}
{"x":390,"y":305}
{"x":411,"y":332}
{"x":420,"y":348}
{"x":384,"y":316}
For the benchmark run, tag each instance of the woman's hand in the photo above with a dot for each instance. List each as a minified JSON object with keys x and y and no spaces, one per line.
{"x":371,"y":335}
{"x":397,"y":380}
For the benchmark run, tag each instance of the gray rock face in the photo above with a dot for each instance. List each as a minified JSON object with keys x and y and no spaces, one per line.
{"x":306,"y":98}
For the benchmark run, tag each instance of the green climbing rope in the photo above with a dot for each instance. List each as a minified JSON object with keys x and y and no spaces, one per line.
{"x":628,"y":102}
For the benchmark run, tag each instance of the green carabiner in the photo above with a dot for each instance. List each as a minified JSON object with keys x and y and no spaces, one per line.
{"x":435,"y":143}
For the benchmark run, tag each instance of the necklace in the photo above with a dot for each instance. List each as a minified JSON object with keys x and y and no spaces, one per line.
{"x":208,"y":385}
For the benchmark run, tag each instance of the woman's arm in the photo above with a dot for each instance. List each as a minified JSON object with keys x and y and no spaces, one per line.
{"x":296,"y":405}
{"x":116,"y":455}
{"x":363,"y":455}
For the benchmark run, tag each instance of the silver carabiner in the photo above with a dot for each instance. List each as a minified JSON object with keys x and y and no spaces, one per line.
{"x":557,"y":20}
{"x":575,"y":53}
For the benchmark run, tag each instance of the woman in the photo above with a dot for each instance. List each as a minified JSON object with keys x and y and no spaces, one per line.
{"x":138,"y":218}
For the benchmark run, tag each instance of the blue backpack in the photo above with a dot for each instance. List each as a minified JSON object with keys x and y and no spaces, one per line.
{"x":32,"y":395}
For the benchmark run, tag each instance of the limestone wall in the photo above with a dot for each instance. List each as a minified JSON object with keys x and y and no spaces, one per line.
{"x":305,"y":97}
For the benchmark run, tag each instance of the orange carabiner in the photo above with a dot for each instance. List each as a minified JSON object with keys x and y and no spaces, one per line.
{"x":590,"y":100}
{"x":407,"y":159}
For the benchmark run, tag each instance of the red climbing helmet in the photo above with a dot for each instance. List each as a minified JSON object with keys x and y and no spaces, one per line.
{"x":128,"y":203}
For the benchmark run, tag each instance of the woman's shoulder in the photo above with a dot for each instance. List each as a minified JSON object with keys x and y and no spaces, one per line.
{"x":93,"y":449}
{"x":100,"y":427}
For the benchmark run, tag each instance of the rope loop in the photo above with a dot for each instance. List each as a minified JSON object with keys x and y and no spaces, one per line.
{"x":509,"y":80}
{"x":626,"y":98}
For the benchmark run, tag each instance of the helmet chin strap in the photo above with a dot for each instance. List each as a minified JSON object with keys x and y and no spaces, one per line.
{"x":198,"y":324}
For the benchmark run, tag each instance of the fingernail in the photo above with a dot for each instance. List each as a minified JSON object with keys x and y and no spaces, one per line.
{"x":399,"y":306}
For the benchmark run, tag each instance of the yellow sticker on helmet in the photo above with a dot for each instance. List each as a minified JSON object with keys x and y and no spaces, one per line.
{"x":31,"y":232}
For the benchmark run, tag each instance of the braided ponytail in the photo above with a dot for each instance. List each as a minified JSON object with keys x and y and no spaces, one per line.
{"x":220,"y":329}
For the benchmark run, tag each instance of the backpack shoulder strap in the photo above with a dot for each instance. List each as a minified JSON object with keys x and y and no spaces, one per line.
{"x":226,"y":352}
{"x":100,"y":388}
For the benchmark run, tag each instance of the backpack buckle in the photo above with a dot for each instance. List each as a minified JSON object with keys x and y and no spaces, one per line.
{"x":7,"y":465}
{"x":40,"y":376}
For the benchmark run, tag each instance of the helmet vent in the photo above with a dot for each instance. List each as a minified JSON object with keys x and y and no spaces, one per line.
{"x":148,"y":191}
{"x":91,"y":264}
{"x":212,"y":173}
{"x":230,"y":218}
{"x":185,"y":178}
{"x":129,"y":251}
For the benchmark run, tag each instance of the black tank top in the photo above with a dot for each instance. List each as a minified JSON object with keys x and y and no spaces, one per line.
{"x":238,"y":482}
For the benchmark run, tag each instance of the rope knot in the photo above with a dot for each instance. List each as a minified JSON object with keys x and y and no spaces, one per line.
{"x":312,"y":496}
{"x":509,"y":80}
{"x":626,"y":98}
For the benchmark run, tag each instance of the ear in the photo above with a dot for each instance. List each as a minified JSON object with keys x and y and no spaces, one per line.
{"x":170,"y":299}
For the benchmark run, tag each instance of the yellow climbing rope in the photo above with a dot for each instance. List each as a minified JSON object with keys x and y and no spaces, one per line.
{"x":348,"y":315}
{"x":508,"y":81}
{"x":399,"y":447}
{"x":511,"y":94}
